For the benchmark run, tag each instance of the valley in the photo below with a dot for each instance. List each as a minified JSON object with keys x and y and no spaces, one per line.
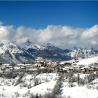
{"x":49,"y":79}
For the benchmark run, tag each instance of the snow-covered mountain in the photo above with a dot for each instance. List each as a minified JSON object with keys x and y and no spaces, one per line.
{"x":28,"y":51}
{"x":83,"y":52}
{"x":11,"y":52}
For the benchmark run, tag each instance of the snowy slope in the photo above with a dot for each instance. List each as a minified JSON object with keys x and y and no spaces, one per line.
{"x":9,"y":90}
{"x":10,"y":52}
{"x":88,"y":61}
{"x":79,"y":92}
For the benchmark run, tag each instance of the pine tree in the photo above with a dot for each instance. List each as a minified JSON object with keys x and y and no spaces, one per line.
{"x":58,"y":87}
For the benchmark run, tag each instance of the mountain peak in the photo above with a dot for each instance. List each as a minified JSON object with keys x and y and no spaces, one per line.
{"x":30,"y":51}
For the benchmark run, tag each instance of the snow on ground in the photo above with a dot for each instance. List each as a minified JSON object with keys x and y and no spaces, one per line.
{"x":88,"y":61}
{"x":79,"y":92}
{"x":9,"y":90}
{"x":43,"y":88}
{"x":47,"y":84}
{"x":12,"y":91}
{"x":82,"y":75}
{"x":47,"y":77}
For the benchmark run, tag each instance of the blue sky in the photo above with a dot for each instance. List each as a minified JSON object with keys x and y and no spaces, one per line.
{"x":40,"y":14}
{"x":65,"y":24}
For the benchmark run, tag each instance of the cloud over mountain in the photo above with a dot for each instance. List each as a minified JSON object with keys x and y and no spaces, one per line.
{"x":63,"y":36}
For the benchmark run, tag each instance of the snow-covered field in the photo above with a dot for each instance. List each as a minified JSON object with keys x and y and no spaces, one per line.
{"x":88,"y":61}
{"x":79,"y":92}
{"x":44,"y":83}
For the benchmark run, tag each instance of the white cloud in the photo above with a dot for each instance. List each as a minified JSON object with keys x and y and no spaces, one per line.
{"x":63,"y":36}
{"x":91,"y":32}
{"x":5,"y":32}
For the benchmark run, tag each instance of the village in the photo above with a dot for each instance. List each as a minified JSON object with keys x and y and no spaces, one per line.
{"x":48,"y":66}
